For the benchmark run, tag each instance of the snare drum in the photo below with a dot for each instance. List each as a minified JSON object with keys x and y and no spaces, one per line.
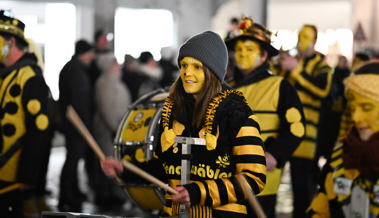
{"x":135,"y":142}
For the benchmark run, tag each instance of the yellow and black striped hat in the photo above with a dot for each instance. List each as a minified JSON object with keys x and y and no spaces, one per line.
{"x":12,"y":26}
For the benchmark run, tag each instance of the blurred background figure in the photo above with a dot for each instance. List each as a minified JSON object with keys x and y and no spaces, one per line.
{"x":168,"y":66}
{"x":312,"y":76}
{"x":359,"y":59}
{"x":128,"y":73}
{"x":112,"y":99}
{"x":150,"y":72}
{"x":333,"y":109}
{"x":75,"y":90}
{"x":233,"y":28}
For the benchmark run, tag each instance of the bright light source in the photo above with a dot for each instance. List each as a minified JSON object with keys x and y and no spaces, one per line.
{"x":138,"y":30}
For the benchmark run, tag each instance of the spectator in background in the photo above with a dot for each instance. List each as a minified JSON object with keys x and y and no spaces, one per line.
{"x":152,"y":74}
{"x":74,"y":90}
{"x":130,"y":76}
{"x":233,"y":28}
{"x":112,"y":99}
{"x":168,"y":65}
{"x":24,"y":120}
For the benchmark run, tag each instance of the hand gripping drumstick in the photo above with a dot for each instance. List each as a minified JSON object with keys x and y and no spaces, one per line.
{"x":250,"y":196}
{"x":77,"y":122}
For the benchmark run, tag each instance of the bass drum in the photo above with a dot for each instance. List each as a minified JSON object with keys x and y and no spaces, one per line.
{"x":135,"y":142}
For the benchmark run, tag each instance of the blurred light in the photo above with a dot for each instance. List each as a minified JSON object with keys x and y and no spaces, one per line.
{"x":138,"y":30}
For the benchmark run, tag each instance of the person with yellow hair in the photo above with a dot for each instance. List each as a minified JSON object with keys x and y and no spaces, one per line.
{"x":350,"y":178}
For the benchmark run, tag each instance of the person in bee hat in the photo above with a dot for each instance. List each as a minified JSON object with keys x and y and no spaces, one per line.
{"x":199,"y":105}
{"x":349,"y":183}
{"x":272,"y":98}
{"x":24,"y":122}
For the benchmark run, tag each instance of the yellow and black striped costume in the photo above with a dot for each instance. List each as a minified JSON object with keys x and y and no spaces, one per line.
{"x":24,"y":119}
{"x":278,"y":108}
{"x":213,"y":188}
{"x":312,"y":79}
{"x":328,"y":202}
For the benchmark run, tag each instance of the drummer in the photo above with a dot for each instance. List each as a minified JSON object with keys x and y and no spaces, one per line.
{"x":201,"y":105}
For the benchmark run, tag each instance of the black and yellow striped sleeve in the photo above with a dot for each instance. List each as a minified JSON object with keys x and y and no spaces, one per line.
{"x":249,"y":157}
{"x":315,"y":77}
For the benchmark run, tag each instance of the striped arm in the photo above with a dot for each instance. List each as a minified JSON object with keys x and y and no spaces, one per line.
{"x":250,"y":161}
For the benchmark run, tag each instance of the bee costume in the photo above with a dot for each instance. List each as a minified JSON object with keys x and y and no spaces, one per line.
{"x":24,"y":121}
{"x":233,"y":142}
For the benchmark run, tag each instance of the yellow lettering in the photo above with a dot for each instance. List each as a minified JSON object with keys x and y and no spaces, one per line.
{"x":223,"y":175}
{"x":178,"y":170}
{"x":171,"y":170}
{"x":217,"y":172}
{"x":201,"y":172}
{"x":210,"y":172}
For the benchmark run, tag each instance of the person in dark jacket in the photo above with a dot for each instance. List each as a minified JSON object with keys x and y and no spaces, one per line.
{"x":273,"y":99}
{"x":24,"y":123}
{"x":199,"y":106}
{"x":74,"y":87}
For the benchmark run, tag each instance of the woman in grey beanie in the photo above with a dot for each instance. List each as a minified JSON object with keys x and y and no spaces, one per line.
{"x":199,"y":106}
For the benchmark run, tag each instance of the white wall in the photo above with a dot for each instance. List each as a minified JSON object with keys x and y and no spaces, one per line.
{"x":324,"y":14}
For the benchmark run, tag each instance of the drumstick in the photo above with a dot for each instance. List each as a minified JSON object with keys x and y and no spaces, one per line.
{"x":77,"y":122}
{"x":147,"y":176}
{"x":250,"y":196}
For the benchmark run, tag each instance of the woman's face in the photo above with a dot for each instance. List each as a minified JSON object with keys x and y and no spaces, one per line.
{"x":248,"y":54}
{"x":192,"y":75}
{"x":365,"y":114}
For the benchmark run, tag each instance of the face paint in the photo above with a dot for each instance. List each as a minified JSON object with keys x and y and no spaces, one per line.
{"x":365,"y":114}
{"x":4,"y":48}
{"x":248,"y":54}
{"x":306,"y":39}
{"x":192,"y":75}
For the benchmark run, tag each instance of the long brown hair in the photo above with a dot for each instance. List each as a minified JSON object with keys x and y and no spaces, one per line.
{"x":212,"y":86}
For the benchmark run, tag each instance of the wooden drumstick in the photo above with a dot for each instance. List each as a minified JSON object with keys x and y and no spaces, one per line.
{"x":78,"y":123}
{"x":250,"y":196}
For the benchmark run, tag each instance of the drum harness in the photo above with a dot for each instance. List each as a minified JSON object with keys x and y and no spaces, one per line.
{"x":187,"y":142}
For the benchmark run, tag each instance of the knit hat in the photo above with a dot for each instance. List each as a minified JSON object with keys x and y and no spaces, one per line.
{"x":82,"y":46}
{"x":12,"y":26}
{"x":365,"y":81}
{"x":104,"y":61}
{"x":253,"y":31}
{"x":210,"y":49}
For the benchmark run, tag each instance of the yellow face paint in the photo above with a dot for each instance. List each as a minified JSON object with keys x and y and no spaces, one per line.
{"x":365,"y":114}
{"x":4,"y":48}
{"x":192,"y":75}
{"x":248,"y":54}
{"x":306,"y":39}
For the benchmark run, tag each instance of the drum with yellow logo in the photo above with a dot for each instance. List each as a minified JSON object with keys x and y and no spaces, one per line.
{"x":135,"y":141}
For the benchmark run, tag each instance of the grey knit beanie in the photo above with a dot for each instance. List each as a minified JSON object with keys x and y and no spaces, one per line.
{"x":210,"y":49}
